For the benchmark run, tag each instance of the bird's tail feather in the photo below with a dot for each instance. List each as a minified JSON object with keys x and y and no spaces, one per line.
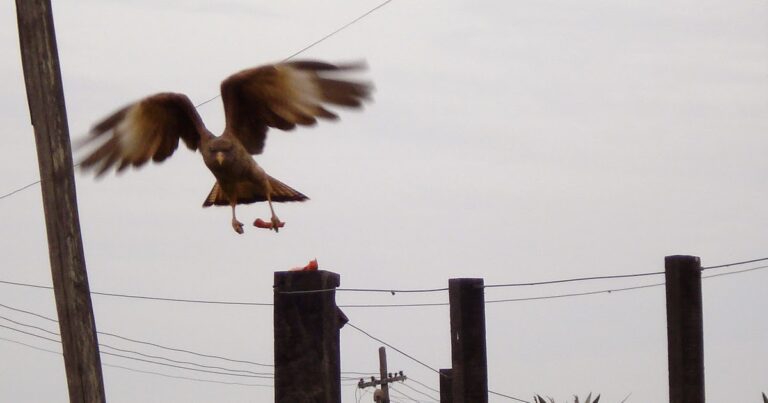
{"x":248,"y":192}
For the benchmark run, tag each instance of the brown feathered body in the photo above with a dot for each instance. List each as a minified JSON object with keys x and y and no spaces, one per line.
{"x":281,"y":96}
{"x":239,"y":179}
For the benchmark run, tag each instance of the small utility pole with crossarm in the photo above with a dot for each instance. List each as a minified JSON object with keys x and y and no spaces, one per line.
{"x":385,"y":378}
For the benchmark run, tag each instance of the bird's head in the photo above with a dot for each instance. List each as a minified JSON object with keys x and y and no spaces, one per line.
{"x":221,"y":150}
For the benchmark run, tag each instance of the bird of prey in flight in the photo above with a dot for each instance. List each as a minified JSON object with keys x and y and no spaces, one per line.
{"x":280,"y":95}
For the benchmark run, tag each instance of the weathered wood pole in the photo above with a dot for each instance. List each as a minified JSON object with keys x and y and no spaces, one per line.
{"x":468,"y":352}
{"x":446,"y":387}
{"x":306,"y":327}
{"x":685,"y":329}
{"x":383,"y":375}
{"x":47,"y":110}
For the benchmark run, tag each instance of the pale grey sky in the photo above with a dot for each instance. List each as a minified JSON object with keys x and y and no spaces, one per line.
{"x":514,"y":141}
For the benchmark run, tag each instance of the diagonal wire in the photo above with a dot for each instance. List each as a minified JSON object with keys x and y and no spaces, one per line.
{"x":343,"y":27}
{"x":9,"y":194}
{"x":350,"y":324}
{"x":313,"y":44}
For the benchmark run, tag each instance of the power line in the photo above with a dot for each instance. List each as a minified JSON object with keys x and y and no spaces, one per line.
{"x":138,"y":370}
{"x":215,"y":302}
{"x":29,"y":313}
{"x":188,"y":378}
{"x":194,"y":301}
{"x":311,"y":45}
{"x":187,"y":368}
{"x":350,"y":324}
{"x":419,"y":392}
{"x":609,"y":291}
{"x":157,"y":357}
{"x":9,"y":194}
{"x":406,"y":396}
{"x":392,"y":291}
{"x":736,"y":272}
{"x":410,"y":378}
{"x":571,"y":280}
{"x":251,"y":375}
{"x":176,"y":349}
{"x":181,"y":350}
{"x":577,"y":294}
{"x":735,"y":263}
{"x":134,"y":296}
{"x":343,"y":27}
{"x":430,"y":290}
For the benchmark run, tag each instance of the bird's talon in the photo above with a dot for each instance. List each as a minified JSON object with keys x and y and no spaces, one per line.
{"x":238,"y":226}
{"x":277,"y":224}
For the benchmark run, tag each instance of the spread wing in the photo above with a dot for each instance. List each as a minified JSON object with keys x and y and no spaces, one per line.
{"x":148,"y":129}
{"x":284,"y":95}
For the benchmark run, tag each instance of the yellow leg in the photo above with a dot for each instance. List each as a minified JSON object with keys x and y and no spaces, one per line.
{"x":275,"y":221}
{"x":236,"y":225}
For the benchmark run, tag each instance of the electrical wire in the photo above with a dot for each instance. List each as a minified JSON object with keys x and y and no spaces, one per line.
{"x":393,"y":389}
{"x":736,"y":272}
{"x":214,"y":302}
{"x":141,"y":359}
{"x":392,"y":291}
{"x":29,"y":313}
{"x":343,"y":27}
{"x":735,"y":263}
{"x":415,"y":290}
{"x":410,"y":378}
{"x":526,"y":284}
{"x":158,"y":357}
{"x":350,"y":324}
{"x":9,"y":194}
{"x":181,"y":350}
{"x":419,"y":392}
{"x":188,"y":378}
{"x":137,"y":370}
{"x":571,"y":280}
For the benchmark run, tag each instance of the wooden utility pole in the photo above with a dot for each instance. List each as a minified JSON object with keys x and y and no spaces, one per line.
{"x":685,"y":329}
{"x":383,"y":374}
{"x":385,"y":378}
{"x":45,"y":95}
{"x":468,"y":354}
{"x":306,"y":327}
{"x":446,"y":386}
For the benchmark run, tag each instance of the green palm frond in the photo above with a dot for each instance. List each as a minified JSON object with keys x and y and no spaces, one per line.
{"x":539,"y":399}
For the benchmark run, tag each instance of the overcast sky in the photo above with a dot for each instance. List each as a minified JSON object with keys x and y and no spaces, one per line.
{"x":513,"y":141}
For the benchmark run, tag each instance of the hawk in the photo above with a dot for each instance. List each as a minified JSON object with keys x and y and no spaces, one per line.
{"x":280,"y":96}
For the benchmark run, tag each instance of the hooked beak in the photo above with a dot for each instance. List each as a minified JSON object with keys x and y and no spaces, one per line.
{"x":220,"y":157}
